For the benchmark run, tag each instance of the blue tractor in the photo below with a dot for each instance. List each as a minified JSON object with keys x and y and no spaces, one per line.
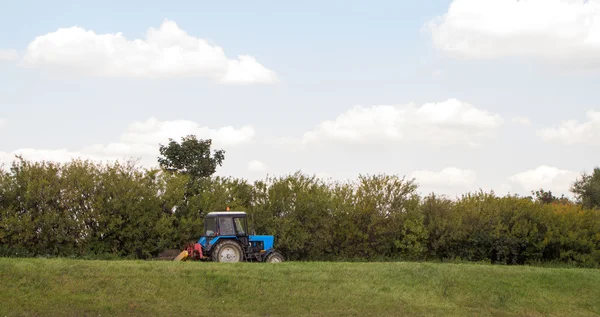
{"x":226,"y":239}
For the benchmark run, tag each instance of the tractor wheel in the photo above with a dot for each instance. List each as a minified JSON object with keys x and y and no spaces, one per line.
{"x":227,"y":251}
{"x":274,"y":257}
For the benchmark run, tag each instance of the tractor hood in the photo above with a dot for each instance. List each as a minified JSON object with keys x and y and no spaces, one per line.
{"x":267,"y":240}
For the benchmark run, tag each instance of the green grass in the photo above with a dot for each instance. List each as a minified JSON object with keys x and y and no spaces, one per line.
{"x":61,"y":287}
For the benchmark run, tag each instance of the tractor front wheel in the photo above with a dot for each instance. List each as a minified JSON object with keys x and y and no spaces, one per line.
{"x":227,"y":251}
{"x":274,"y":257}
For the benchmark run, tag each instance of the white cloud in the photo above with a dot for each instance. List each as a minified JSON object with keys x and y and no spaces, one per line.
{"x":247,"y":70}
{"x":2,"y":122}
{"x":521,"y":120}
{"x":449,"y":122}
{"x":58,"y":155}
{"x":447,"y":177}
{"x":165,"y":52}
{"x":565,"y":31}
{"x":153,"y":131}
{"x":256,"y":166}
{"x":141,"y":140}
{"x":8,"y":55}
{"x":546,"y":177}
{"x":572,"y":132}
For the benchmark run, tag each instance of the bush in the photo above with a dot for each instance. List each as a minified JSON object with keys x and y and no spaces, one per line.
{"x":87,"y":210}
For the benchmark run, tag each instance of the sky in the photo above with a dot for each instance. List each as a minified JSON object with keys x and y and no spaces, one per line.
{"x":461,"y":95}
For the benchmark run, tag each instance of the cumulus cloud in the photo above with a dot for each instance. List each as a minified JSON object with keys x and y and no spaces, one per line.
{"x":564,"y":31}
{"x":8,"y":55}
{"x":153,"y":131}
{"x":140,"y":140}
{"x":447,"y":177}
{"x":572,"y":132}
{"x":256,"y":166}
{"x":521,"y":120}
{"x":165,"y":52}
{"x":449,"y":122}
{"x":547,"y":177}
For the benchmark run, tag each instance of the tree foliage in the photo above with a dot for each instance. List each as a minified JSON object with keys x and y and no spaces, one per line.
{"x":546,"y":197}
{"x":191,"y":157}
{"x":587,"y":189}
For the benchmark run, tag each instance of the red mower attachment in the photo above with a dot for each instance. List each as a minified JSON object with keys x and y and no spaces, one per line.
{"x":194,"y":251}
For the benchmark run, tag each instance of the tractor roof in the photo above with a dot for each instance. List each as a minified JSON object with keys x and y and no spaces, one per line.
{"x":226,"y":213}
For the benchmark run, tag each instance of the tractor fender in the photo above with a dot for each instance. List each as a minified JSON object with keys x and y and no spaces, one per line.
{"x":267,"y":252}
{"x":208,"y":245}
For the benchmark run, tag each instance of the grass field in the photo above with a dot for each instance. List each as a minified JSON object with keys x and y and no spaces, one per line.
{"x":61,"y":287}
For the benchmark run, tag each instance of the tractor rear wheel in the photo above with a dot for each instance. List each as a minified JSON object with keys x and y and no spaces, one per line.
{"x":274,"y":257}
{"x":227,"y":251}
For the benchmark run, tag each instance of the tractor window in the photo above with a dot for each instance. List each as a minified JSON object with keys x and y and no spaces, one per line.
{"x":226,"y":226}
{"x":210,"y":226}
{"x":239,"y":226}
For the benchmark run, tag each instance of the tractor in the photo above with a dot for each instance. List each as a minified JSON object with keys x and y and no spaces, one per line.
{"x":226,"y":239}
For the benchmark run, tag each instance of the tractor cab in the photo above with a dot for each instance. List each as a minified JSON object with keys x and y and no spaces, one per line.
{"x":226,"y":239}
{"x":226,"y":223}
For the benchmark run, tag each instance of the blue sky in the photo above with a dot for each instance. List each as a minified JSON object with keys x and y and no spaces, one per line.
{"x":328,"y":58}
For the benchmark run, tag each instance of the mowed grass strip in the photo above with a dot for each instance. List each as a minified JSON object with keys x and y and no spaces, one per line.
{"x":62,"y":287}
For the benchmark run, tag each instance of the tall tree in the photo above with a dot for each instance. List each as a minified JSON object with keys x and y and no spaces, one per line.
{"x":587,"y":189}
{"x":191,"y":156}
{"x":191,"y":159}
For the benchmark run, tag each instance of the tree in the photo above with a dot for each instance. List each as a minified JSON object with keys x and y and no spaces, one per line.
{"x":546,"y":197}
{"x":192,"y":162}
{"x":191,"y":157}
{"x":587,"y":189}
